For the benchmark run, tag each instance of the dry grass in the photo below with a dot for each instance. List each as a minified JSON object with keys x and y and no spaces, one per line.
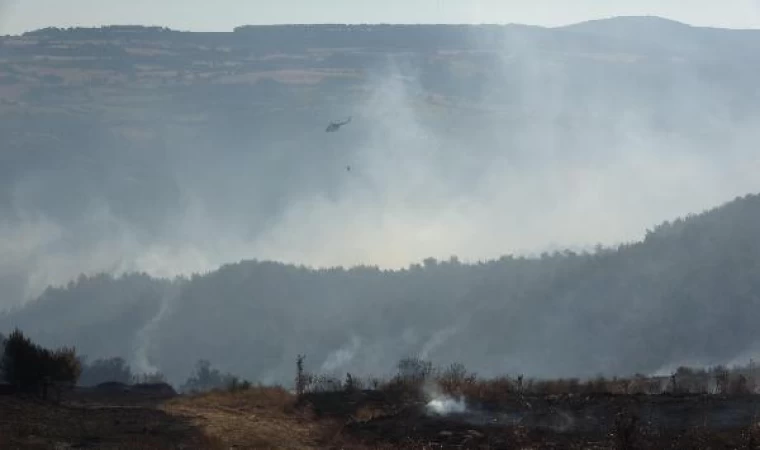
{"x":503,"y":389}
{"x":271,"y":417}
{"x":260,"y":417}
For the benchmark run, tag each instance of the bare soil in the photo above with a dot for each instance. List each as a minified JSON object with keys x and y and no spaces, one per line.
{"x":261,"y":417}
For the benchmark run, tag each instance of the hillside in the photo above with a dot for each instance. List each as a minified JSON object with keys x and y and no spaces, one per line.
{"x":146,"y":149}
{"x":686,"y":294}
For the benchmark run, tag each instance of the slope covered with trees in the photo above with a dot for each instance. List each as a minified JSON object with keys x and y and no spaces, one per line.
{"x":687,"y":294}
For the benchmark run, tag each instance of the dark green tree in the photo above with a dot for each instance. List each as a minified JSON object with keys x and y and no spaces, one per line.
{"x":32,"y":368}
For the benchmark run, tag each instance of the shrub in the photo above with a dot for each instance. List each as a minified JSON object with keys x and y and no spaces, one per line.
{"x":62,"y":365}
{"x":496,"y":390}
{"x":205,"y":378}
{"x":301,"y":376}
{"x":455,"y":380}
{"x":351,"y":384}
{"x":149,"y":378}
{"x":738,"y":385}
{"x":414,"y":370}
{"x":235,"y":384}
{"x":323,"y":383}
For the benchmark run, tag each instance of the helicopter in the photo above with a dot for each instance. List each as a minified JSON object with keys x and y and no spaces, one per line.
{"x":335,"y":126}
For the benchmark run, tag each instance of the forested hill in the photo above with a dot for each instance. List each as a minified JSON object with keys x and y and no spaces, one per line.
{"x":688,"y":293}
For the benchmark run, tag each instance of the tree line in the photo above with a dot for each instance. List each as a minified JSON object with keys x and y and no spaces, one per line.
{"x":687,"y":293}
{"x":33,"y":369}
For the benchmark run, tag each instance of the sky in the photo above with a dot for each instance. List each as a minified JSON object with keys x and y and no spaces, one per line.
{"x":17,"y":16}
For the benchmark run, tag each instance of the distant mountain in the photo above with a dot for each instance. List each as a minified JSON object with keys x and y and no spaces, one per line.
{"x":680,"y":39}
{"x":687,"y":293}
{"x":630,"y":26}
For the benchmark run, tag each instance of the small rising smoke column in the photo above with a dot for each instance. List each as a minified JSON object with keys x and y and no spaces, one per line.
{"x":443,"y":406}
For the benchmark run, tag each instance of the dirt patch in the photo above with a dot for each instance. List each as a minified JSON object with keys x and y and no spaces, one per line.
{"x":259,"y":417}
{"x":263,"y":417}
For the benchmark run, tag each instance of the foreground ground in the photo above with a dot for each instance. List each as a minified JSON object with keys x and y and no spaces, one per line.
{"x":273,"y":418}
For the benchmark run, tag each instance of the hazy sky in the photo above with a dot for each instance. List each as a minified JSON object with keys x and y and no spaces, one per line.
{"x":20,"y":15}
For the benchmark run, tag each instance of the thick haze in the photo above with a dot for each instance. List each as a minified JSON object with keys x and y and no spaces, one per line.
{"x":544,"y":153}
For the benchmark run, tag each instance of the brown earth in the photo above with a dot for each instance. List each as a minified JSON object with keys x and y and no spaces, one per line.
{"x":264,"y":417}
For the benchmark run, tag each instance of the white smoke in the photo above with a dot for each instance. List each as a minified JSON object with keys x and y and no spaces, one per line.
{"x":415,"y":191}
{"x":443,"y":406}
{"x":342,"y":356}
{"x":143,"y":339}
{"x":436,"y":340}
{"x":440,"y":403}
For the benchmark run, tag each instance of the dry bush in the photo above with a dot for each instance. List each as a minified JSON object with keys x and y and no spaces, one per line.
{"x":554,"y":387}
{"x":642,"y":385}
{"x":301,"y":380}
{"x":738,"y":385}
{"x":415,"y":370}
{"x":503,"y":388}
{"x":353,"y":383}
{"x":496,"y":390}
{"x":619,"y":386}
{"x":413,"y":374}
{"x":373,"y":383}
{"x":401,"y":385}
{"x":690,"y":381}
{"x":455,"y":380}
{"x":598,"y":385}
{"x":721,"y":375}
{"x":149,"y":378}
{"x":323,"y":383}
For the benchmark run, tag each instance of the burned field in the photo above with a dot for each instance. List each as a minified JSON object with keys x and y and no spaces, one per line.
{"x":95,"y":418}
{"x":269,"y":417}
{"x":422,"y":406}
{"x":558,"y":421}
